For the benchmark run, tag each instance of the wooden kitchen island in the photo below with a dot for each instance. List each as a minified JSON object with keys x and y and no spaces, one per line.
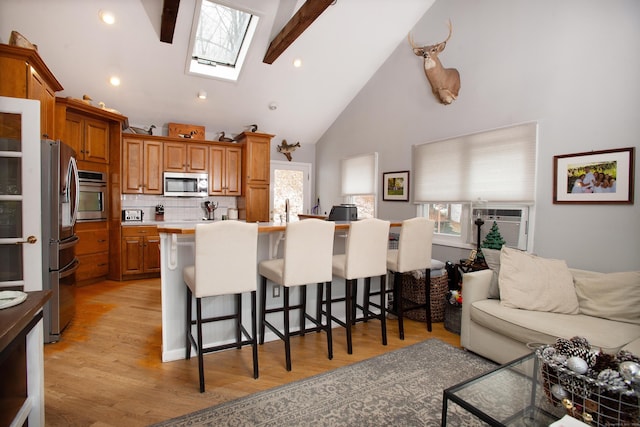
{"x":177,"y":244}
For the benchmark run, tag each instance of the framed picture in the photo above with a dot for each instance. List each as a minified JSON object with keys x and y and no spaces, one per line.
{"x":395,"y":186}
{"x":594,"y":177}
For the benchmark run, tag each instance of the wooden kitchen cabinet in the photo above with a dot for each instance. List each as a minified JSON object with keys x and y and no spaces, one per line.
{"x":225,"y":170}
{"x":92,"y":251}
{"x":186,"y":157}
{"x":142,"y":165}
{"x":140,"y":251}
{"x":253,"y":204}
{"x":88,"y":137}
{"x":25,"y":75}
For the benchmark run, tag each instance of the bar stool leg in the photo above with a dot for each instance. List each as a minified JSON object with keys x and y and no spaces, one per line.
{"x":200,"y":352}
{"x":263,"y":307}
{"x":328,"y":326}
{"x":187,"y":344}
{"x":383,"y":311}
{"x":238,"y":319}
{"x":287,"y":337}
{"x":254,"y":342}
{"x":397,"y":287}
{"x":349,"y":313}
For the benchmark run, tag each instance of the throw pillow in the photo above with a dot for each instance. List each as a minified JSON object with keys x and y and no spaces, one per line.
{"x":492,"y":258}
{"x":534,"y":283}
{"x":613,"y":296}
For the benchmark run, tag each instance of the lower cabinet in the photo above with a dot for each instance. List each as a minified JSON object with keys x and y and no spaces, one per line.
{"x":140,"y":251}
{"x":92,"y":252}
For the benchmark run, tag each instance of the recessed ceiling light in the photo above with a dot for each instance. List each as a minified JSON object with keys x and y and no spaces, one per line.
{"x":202,"y":94}
{"x":107,"y":17}
{"x":114,"y":80}
{"x":297,"y":62}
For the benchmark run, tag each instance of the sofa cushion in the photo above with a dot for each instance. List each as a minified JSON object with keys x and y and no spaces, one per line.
{"x":544,"y":327}
{"x":534,"y":283}
{"x":613,"y":296}
{"x":492,"y":258}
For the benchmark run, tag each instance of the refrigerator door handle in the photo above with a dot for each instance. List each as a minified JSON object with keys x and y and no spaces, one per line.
{"x":76,"y":182}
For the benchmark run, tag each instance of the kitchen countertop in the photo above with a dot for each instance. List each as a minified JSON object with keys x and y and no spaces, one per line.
{"x":263,"y":227}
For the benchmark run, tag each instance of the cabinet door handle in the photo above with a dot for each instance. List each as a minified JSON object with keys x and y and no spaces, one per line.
{"x":101,"y":240}
{"x":103,"y":264}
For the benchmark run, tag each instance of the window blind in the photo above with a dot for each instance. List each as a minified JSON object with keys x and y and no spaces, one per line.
{"x":497,"y":166}
{"x":359,"y":174}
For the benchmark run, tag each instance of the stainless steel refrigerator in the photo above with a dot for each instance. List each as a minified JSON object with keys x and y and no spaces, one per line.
{"x":59,"y":211}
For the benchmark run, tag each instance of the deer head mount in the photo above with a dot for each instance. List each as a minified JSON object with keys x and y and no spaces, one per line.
{"x":445,"y":82}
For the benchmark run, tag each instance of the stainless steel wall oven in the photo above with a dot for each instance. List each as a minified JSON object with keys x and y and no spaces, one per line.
{"x":93,"y":196}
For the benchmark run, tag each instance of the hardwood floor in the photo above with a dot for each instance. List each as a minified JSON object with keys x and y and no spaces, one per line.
{"x":107,"y":369}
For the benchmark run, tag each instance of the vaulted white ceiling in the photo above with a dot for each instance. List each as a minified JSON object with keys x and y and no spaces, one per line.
{"x":340,"y":52}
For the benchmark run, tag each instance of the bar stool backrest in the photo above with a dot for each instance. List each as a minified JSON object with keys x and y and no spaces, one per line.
{"x":414,"y":245}
{"x":307,"y":252}
{"x":366,"y":248}
{"x":226,"y":258}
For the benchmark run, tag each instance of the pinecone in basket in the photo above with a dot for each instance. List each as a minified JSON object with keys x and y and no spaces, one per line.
{"x":627,"y":356}
{"x":611,"y":378}
{"x":563,"y":345}
{"x":604,"y":361}
{"x":580,"y":342}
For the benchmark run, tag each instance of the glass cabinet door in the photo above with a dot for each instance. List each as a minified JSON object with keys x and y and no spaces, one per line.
{"x":20,"y":195}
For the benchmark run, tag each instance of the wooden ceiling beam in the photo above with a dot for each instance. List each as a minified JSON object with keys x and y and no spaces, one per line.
{"x":169,"y":17}
{"x":298,"y":23}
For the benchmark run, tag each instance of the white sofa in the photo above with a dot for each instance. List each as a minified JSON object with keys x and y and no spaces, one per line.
{"x":501,"y":333}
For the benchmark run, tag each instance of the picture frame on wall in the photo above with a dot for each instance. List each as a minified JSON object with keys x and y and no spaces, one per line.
{"x":395,"y":186}
{"x":604,"y":176}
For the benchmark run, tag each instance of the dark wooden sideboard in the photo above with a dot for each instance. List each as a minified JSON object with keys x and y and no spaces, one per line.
{"x":15,"y":324}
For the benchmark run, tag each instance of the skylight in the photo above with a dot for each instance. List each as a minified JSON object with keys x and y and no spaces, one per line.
{"x":220,"y":41}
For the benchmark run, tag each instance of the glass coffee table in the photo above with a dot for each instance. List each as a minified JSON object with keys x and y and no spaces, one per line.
{"x":510,"y":395}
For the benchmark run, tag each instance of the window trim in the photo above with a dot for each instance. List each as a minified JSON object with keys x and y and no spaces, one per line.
{"x":217,"y":70}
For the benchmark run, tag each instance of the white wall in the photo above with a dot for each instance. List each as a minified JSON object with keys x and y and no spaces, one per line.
{"x":572,"y":65}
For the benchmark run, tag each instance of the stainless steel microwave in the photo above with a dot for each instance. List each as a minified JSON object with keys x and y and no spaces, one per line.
{"x":179,"y":184}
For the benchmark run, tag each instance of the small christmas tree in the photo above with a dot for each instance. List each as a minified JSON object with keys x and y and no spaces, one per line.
{"x":493,"y":239}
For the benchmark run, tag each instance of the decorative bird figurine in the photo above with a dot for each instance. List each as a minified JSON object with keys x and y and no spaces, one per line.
{"x":143,"y":131}
{"x":287,"y":149}
{"x":86,"y":99}
{"x":225,"y":138}
{"x":187,"y":135}
{"x":253,"y":128}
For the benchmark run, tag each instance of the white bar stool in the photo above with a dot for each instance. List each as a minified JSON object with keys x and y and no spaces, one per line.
{"x":413,"y":253}
{"x":365,"y":257}
{"x":307,"y":252}
{"x":226,"y":254}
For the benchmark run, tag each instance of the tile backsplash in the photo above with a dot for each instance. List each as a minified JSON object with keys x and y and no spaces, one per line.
{"x":176,"y":208}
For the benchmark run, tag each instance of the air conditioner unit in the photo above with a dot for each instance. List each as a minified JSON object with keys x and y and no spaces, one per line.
{"x":512,"y":223}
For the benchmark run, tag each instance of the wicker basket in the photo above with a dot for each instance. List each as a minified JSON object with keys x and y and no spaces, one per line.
{"x":587,"y":399}
{"x":452,"y":318}
{"x":413,"y":290}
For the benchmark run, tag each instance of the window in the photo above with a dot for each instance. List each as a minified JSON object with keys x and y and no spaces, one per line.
{"x":290,"y":181}
{"x":220,"y":40}
{"x":493,"y":169}
{"x":359,"y":183}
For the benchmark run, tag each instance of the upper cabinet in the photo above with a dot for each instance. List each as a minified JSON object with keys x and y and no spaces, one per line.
{"x":186,"y":157}
{"x":88,"y":137}
{"x":89,"y":130}
{"x":25,"y":75}
{"x":225,"y":170}
{"x":141,"y":165}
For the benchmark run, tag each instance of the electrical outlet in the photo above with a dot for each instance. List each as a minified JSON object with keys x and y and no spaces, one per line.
{"x":276,"y":291}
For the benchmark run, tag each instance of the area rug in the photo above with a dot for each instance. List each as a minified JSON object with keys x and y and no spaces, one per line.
{"x":400,"y":388}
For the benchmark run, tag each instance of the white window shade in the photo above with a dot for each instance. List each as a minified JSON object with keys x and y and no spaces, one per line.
{"x":359,"y":175}
{"x":496,"y":166}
